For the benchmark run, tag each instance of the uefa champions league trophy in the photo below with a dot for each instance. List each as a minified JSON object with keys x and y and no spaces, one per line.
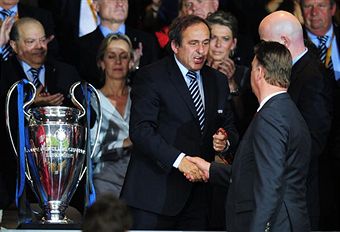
{"x":56,"y":150}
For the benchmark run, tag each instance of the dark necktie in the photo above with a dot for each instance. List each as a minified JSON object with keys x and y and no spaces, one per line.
{"x":7,"y":49}
{"x":323,"y":53}
{"x":35,"y":74}
{"x":196,"y":97}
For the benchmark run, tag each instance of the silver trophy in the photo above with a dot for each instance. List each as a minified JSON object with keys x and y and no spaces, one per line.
{"x":55,"y":151}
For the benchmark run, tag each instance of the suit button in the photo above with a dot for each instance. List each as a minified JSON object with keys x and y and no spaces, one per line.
{"x":230,"y":180}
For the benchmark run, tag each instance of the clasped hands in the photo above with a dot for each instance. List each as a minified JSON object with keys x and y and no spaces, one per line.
{"x":197,"y":169}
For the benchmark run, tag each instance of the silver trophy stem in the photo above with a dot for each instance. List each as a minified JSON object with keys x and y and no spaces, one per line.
{"x":55,"y":151}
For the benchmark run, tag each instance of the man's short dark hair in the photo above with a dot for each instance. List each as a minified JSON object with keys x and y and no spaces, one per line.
{"x":107,"y":214}
{"x":180,"y":24}
{"x":14,"y":33}
{"x":277,"y":61}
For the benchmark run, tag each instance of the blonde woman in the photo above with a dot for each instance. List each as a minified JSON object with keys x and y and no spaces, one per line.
{"x":115,"y":59}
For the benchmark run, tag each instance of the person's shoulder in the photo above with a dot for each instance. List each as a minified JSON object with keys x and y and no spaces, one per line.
{"x":309,"y":64}
{"x":60,"y":65}
{"x":141,"y":35}
{"x":94,"y":35}
{"x":213,"y":73}
{"x":132,"y":30}
{"x":30,"y":11}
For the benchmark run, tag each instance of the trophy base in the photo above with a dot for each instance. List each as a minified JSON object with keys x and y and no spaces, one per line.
{"x":39,"y":226}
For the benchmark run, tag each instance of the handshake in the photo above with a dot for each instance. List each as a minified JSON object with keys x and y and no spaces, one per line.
{"x":197,"y":169}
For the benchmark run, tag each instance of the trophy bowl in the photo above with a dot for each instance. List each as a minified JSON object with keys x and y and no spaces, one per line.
{"x":55,"y":154}
{"x":53,"y":150}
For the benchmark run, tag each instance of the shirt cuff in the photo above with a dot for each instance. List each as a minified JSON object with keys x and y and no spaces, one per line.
{"x":178,"y":160}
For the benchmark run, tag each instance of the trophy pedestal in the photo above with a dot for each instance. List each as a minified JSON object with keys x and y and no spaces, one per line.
{"x":35,"y":226}
{"x":72,"y":215}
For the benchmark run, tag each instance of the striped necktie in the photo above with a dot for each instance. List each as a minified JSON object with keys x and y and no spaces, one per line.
{"x":35,"y":75}
{"x":323,"y":53}
{"x":196,"y":97}
{"x":7,"y":49}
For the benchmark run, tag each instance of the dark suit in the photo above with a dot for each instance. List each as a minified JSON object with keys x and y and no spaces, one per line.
{"x":330,"y":161}
{"x":312,"y":93}
{"x":267,"y":178}
{"x":89,"y":45}
{"x":163,"y":124}
{"x":58,"y":78}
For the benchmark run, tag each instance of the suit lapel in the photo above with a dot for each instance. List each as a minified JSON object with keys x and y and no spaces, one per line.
{"x":178,"y":81}
{"x":209,"y":95}
{"x":50,"y":78}
{"x":17,"y":68}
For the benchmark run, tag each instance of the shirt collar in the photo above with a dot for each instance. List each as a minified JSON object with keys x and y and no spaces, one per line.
{"x":13,"y":9}
{"x":106,"y":31}
{"x":267,"y":99}
{"x":184,"y":70}
{"x":27,"y":67}
{"x":315,"y":40}
{"x":299,"y":56}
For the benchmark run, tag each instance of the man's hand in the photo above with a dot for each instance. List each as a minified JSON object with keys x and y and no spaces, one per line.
{"x":190,"y":170}
{"x":46,"y":99}
{"x":50,"y":38}
{"x":203,"y":166}
{"x":137,"y":54}
{"x":220,"y":140}
{"x":5,"y":29}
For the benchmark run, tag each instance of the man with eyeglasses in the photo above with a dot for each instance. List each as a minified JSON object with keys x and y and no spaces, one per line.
{"x":16,"y":10}
{"x":324,"y":33}
{"x":52,"y":79}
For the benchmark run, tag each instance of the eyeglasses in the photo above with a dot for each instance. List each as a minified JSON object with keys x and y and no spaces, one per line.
{"x":32,"y":42}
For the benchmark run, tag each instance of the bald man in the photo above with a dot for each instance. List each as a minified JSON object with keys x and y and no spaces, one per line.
{"x":309,"y":89}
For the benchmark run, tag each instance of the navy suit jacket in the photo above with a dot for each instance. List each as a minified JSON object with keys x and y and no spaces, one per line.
{"x":312,"y":91}
{"x":268,"y":175}
{"x":163,"y":124}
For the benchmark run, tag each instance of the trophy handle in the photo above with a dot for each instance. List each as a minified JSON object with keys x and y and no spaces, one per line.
{"x":27,"y":115}
{"x":99,"y":118}
{"x":28,"y":103}
{"x":75,"y":101}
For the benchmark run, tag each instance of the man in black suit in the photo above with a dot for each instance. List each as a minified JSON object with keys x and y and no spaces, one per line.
{"x":309,"y":89}
{"x":318,"y":18}
{"x":112,"y":20}
{"x":19,"y":10}
{"x":29,"y":42}
{"x":266,"y":180}
{"x":165,"y":128}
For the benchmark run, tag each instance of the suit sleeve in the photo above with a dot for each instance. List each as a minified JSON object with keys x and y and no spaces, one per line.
{"x":143,"y":130}
{"x":316,"y":110}
{"x":219,"y":174}
{"x":269,"y":146}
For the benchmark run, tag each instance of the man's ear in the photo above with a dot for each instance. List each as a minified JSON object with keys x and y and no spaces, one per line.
{"x":285,"y":41}
{"x":14,"y":46}
{"x":95,"y":5}
{"x":215,"y":4}
{"x":174,"y":46}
